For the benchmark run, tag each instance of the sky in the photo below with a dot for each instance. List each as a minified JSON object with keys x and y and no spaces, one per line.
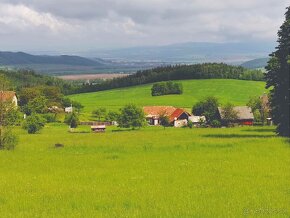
{"x":82,"y":25}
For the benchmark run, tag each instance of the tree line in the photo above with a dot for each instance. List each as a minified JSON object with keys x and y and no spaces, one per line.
{"x":178,"y":72}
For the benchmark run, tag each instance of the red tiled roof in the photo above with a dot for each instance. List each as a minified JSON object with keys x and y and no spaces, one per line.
{"x":156,"y":111}
{"x":7,"y":95}
{"x":176,"y":114}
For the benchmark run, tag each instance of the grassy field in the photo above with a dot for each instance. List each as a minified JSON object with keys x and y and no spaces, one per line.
{"x":147,"y":173}
{"x":234,"y":91}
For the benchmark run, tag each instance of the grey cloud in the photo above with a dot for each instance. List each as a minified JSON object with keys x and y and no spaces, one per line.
{"x":93,"y":23}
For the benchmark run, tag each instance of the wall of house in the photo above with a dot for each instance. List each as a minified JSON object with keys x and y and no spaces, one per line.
{"x":15,"y":101}
{"x":180,"y":123}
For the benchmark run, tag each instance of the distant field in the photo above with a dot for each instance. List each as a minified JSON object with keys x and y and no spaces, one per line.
{"x":240,"y":172}
{"x":92,"y":76}
{"x":237,"y":92}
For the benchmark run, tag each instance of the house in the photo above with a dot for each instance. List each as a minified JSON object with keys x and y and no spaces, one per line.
{"x":68,"y":109}
{"x":98,"y":128}
{"x":196,"y":120}
{"x":177,"y":116}
{"x":245,"y":115}
{"x":9,"y":96}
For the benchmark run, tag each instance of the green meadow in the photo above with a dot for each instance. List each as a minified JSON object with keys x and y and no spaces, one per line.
{"x":237,"y":92}
{"x":149,"y":172}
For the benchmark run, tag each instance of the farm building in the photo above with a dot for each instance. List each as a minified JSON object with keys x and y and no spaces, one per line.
{"x":98,"y":128}
{"x":177,"y":116}
{"x":196,"y":120}
{"x":9,"y":96}
{"x":244,"y":113}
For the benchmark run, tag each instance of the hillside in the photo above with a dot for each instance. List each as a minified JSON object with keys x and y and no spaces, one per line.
{"x":256,"y":63}
{"x":234,"y":91}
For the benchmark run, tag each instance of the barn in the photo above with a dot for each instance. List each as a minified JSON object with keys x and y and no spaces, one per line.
{"x":245,"y":115}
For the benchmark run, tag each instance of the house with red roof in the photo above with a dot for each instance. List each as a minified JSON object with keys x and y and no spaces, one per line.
{"x":9,"y":96}
{"x":178,"y":117}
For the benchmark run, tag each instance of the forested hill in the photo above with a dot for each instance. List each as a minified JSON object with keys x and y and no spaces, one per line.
{"x":21,"y":58}
{"x":179,"y":72}
{"x":26,"y":78}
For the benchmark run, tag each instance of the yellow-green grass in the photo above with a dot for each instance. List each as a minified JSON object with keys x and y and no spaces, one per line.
{"x":147,"y":173}
{"x":237,"y":92}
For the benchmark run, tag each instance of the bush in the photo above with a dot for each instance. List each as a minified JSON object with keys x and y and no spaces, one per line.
{"x":190,"y":124}
{"x":8,"y":140}
{"x":34,"y":123}
{"x":50,"y":118}
{"x":72,"y":120}
{"x":216,"y":124}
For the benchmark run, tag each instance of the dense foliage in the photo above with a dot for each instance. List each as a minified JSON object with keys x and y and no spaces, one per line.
{"x":34,"y":123}
{"x":179,"y":72}
{"x":72,"y":120}
{"x":229,"y":115}
{"x":166,"y":88}
{"x":131,"y":116}
{"x":206,"y":107}
{"x":278,"y":78}
{"x":28,"y":78}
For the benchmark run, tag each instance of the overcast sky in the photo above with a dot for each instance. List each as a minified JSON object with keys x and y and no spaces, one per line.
{"x":80,"y":25}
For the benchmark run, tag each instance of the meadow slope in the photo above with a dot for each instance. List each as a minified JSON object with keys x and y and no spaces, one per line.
{"x":237,"y":92}
{"x":146,"y":173}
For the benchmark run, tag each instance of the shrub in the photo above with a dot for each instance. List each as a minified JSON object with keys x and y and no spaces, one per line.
{"x":216,"y":124}
{"x":8,"y":140}
{"x":190,"y":124}
{"x":34,"y":123}
{"x":50,"y":118}
{"x":72,"y":120}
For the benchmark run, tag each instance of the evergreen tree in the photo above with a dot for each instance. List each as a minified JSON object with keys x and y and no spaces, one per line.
{"x":278,"y":78}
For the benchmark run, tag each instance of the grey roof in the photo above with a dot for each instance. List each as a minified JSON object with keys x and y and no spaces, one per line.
{"x":243,"y":112}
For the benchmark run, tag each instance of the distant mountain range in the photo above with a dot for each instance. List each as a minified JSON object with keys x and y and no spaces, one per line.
{"x":66,"y":64}
{"x":191,"y":52}
{"x":133,"y":59}
{"x":21,"y":58}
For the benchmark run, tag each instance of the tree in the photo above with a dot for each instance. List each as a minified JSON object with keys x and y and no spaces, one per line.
{"x":131,"y":116}
{"x":34,"y":123}
{"x":260,"y":109}
{"x":72,"y":120}
{"x":7,"y":113}
{"x":229,"y":115}
{"x":112,"y":116}
{"x":36,"y":105}
{"x":99,"y":113}
{"x":207,"y":107}
{"x":164,"y":120}
{"x":278,"y":79}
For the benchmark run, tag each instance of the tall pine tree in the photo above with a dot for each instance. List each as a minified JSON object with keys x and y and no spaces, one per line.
{"x":278,"y":79}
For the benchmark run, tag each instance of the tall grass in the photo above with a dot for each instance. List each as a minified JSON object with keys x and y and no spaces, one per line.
{"x":146,"y":173}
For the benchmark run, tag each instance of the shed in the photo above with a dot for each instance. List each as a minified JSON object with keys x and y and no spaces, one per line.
{"x":98,"y":128}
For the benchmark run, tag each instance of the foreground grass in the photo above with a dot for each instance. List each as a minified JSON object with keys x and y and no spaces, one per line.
{"x":147,"y":173}
{"x":237,"y":92}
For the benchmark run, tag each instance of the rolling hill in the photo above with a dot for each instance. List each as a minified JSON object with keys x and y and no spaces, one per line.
{"x":234,"y":91}
{"x":256,"y":63}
